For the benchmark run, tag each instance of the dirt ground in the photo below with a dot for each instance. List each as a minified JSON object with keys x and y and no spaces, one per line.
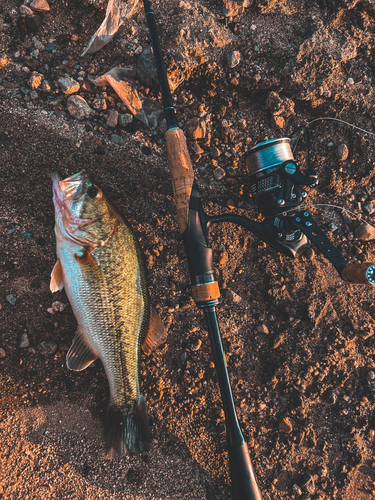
{"x":299,"y":341}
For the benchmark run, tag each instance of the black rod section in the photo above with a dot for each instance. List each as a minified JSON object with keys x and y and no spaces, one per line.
{"x":244,"y":483}
{"x":162,"y":74}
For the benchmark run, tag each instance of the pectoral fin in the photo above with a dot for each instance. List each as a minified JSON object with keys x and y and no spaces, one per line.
{"x":80,"y":355}
{"x":57,"y":282}
{"x":155,"y":334}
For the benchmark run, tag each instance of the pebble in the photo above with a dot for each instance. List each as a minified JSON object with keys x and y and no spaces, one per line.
{"x":183,"y":357}
{"x":24,"y":340}
{"x":223,"y":258}
{"x":79,"y":108}
{"x":232,"y":297}
{"x":219,"y":173}
{"x":196,"y":149}
{"x":331,"y":397}
{"x":46,"y":347}
{"x":2,"y":353}
{"x":307,"y":484}
{"x":342,"y":152}
{"x":58,"y":306}
{"x":365,"y":232}
{"x":285,"y":425}
{"x":117,"y":139}
{"x":100,"y":104}
{"x":112,"y":119}
{"x":277,"y":122}
{"x":197,"y":346}
{"x":12,"y":298}
{"x":196,"y":128}
{"x":28,"y":234}
{"x":154,"y":118}
{"x":124,"y":119}
{"x":297,"y":490}
{"x":68,"y":85}
{"x":369,"y":208}
{"x":40,"y":5}
{"x":233,"y":58}
{"x":262,"y":329}
{"x":24,"y":9}
{"x":45,"y":87}
{"x":214,"y":153}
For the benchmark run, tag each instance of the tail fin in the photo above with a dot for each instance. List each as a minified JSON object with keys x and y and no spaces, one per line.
{"x":127,"y":429}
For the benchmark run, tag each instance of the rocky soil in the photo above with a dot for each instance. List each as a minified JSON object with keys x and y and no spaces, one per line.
{"x":299,"y":342}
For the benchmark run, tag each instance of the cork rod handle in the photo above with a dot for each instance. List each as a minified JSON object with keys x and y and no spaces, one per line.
{"x":181,"y":173}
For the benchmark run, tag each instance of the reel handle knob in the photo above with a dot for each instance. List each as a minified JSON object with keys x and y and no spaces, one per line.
{"x":362,"y":274}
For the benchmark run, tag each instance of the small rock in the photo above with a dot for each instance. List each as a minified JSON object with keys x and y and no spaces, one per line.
{"x":2,"y":353}
{"x":197,"y":346}
{"x":45,"y":87}
{"x":40,"y":5}
{"x":214,"y":153}
{"x":342,"y":152}
{"x":79,"y":108}
{"x":12,"y":298}
{"x":365,"y":232}
{"x":196,"y":149}
{"x":231,"y":296}
{"x":153,"y":119}
{"x":350,"y":81}
{"x":117,"y":139}
{"x":307,"y":484}
{"x":196,"y":128}
{"x":183,"y":357}
{"x":35,"y":80}
{"x":46,"y":347}
{"x":24,"y":9}
{"x":309,"y":253}
{"x":233,"y":58}
{"x":125,"y":119}
{"x":369,"y":208}
{"x":100,"y":104}
{"x":223,"y":258}
{"x":331,"y":397}
{"x":163,"y":127}
{"x":50,"y":47}
{"x":58,"y":306}
{"x":297,"y":490}
{"x":112,"y":118}
{"x":262,"y":329}
{"x":219,"y":173}
{"x":68,"y":85}
{"x":28,"y":234}
{"x":24,"y":340}
{"x":277,"y":122}
{"x":285,"y":425}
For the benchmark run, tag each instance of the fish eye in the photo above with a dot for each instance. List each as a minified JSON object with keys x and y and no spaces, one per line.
{"x":92,"y":192}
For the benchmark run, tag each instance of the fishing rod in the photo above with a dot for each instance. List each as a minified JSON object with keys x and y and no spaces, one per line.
{"x":276,"y":183}
{"x":205,"y":290}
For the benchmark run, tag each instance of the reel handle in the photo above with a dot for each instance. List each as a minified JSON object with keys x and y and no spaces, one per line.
{"x":361,"y":274}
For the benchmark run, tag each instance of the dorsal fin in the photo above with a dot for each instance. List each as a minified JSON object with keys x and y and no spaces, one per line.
{"x":57,"y":282}
{"x":156,"y":333}
{"x":80,"y":355}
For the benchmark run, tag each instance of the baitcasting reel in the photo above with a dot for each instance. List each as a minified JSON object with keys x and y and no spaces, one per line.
{"x":276,"y":184}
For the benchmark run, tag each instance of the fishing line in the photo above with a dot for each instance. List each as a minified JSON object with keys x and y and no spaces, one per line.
{"x":328,"y":118}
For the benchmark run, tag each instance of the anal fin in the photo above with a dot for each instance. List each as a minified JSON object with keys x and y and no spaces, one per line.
{"x":57,"y":282}
{"x":156,"y":333}
{"x":80,"y":355}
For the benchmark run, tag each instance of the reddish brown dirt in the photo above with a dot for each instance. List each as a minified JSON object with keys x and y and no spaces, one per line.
{"x":297,"y":335}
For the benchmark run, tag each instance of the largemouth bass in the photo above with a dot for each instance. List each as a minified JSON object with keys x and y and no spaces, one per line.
{"x":101,"y":267}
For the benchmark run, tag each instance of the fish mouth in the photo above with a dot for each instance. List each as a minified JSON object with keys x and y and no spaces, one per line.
{"x":71,"y":187}
{"x":68,"y":189}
